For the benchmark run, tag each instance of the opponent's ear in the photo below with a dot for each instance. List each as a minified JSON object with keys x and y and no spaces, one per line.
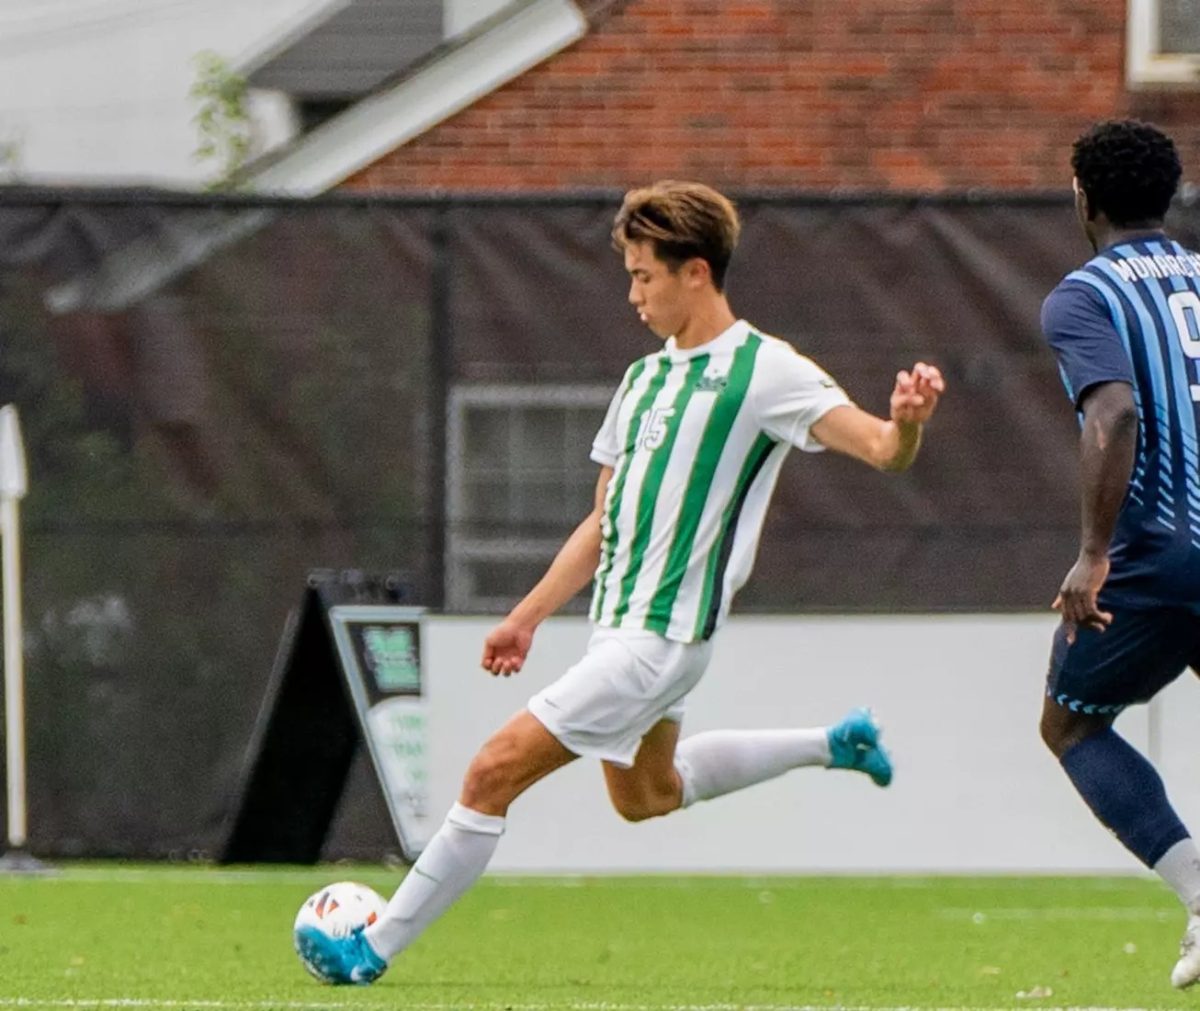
{"x":1083,"y":205}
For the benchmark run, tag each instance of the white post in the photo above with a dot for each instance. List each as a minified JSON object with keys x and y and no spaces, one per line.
{"x":12,"y":488}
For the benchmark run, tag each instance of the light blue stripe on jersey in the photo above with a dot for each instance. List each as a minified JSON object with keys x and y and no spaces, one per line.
{"x":1114,"y":304}
{"x":1184,"y":403}
{"x":1164,"y":503}
{"x":1138,"y":481}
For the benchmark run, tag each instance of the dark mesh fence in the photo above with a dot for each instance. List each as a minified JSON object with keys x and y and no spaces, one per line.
{"x":219,"y":395}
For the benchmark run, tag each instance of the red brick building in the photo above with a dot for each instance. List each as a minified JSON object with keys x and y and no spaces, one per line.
{"x":805,"y":94}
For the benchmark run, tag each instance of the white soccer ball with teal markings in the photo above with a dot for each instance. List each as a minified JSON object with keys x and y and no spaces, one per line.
{"x":337,"y":910}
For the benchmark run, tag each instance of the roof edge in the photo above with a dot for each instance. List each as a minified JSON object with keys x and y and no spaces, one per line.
{"x":481,"y":62}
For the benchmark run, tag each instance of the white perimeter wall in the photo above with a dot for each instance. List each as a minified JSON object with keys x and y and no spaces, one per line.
{"x":959,"y":696}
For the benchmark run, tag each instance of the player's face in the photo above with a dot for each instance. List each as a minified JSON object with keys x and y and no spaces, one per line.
{"x":661,"y":296}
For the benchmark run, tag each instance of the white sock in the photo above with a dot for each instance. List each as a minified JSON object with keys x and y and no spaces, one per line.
{"x":721,"y":761}
{"x":452,"y":861}
{"x":1179,"y":867}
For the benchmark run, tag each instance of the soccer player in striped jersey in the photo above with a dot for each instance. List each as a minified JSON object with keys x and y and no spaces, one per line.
{"x":1126,"y":330}
{"x":689,"y":453}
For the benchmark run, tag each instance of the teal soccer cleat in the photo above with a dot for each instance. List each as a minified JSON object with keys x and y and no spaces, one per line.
{"x":854,"y":744}
{"x":348,"y":959}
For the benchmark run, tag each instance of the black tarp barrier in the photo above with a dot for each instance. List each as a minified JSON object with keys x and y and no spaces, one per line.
{"x":220,"y":394}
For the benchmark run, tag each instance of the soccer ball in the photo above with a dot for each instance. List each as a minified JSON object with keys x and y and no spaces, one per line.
{"x":337,"y":910}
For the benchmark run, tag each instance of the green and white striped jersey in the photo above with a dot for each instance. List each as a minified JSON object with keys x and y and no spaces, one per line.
{"x":696,"y":439}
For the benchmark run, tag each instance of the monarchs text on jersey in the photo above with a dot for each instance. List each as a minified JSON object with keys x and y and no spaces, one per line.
{"x":1131,"y":314}
{"x":696,"y":438}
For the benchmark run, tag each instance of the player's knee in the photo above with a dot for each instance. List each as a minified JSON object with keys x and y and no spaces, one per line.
{"x":640,"y":805}
{"x":633,"y":809}
{"x":1062,"y":729}
{"x":1050,"y":730}
{"x":488,"y":780}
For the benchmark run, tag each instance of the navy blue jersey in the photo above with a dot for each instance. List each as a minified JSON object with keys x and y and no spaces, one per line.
{"x":1132,"y":314}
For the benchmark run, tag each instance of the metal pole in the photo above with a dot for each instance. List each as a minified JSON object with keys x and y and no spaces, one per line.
{"x":441,"y":340}
{"x":13,"y":485}
{"x":14,"y":673}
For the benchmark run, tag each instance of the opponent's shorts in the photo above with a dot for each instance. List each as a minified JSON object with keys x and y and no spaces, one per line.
{"x":1131,"y":661}
{"x":627,"y":681}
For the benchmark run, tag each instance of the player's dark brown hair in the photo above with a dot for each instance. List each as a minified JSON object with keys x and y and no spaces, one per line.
{"x":682,"y":221}
{"x":1128,"y":169}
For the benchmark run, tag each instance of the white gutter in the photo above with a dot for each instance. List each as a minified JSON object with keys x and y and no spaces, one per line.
{"x":385,"y":121}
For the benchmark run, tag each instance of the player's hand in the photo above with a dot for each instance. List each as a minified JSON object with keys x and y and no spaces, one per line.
{"x":915,"y":395}
{"x":505,"y":649}
{"x":1076,"y":599}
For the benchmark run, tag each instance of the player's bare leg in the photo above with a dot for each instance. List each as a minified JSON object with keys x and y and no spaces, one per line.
{"x":1062,"y":728}
{"x":1187,"y":970}
{"x":513,"y":759}
{"x":1126,"y":794}
{"x":652,"y":785}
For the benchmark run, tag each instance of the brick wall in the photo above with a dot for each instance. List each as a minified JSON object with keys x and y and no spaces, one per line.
{"x":809,"y":94}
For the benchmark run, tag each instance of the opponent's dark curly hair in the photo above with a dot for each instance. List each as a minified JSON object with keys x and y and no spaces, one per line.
{"x":1128,"y":169}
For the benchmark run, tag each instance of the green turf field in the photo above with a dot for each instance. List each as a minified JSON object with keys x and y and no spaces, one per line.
{"x":104,"y":936}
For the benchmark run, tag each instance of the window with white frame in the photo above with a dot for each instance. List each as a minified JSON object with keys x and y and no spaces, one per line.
{"x":518,"y":479}
{"x":1163,"y":43}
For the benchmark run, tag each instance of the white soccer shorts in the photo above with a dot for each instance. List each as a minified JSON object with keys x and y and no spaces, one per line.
{"x":626,"y":682}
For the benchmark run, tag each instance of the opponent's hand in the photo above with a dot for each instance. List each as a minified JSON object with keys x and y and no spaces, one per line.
{"x":505,"y":649}
{"x":1076,"y":599}
{"x":915,"y":395}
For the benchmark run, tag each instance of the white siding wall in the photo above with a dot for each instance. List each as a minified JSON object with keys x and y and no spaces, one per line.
{"x":96,"y":91}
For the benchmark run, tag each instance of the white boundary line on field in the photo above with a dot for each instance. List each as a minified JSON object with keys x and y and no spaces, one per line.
{"x":1021,"y":913}
{"x":202,"y":874}
{"x":205,"y":876}
{"x":149,"y":1004}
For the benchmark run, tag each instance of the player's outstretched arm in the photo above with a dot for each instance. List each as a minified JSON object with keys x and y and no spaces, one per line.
{"x":889,"y":445}
{"x":1107,"y":445}
{"x":505,"y":648}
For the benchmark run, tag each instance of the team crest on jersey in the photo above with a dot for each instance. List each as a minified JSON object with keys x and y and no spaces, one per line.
{"x":713,"y":380}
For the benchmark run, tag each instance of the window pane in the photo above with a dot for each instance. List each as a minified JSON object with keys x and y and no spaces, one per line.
{"x":510,"y":579}
{"x":528,"y":464}
{"x":485,"y":503}
{"x":523,"y":475}
{"x":1179,"y":26}
{"x":499,"y":585}
{"x":486,"y":439}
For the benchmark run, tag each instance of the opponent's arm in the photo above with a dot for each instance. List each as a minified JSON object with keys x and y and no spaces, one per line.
{"x":1107,"y":446}
{"x":889,"y":445}
{"x":574,"y":566}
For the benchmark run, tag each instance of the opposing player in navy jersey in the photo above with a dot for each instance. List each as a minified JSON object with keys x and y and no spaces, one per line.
{"x":1126,"y":330}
